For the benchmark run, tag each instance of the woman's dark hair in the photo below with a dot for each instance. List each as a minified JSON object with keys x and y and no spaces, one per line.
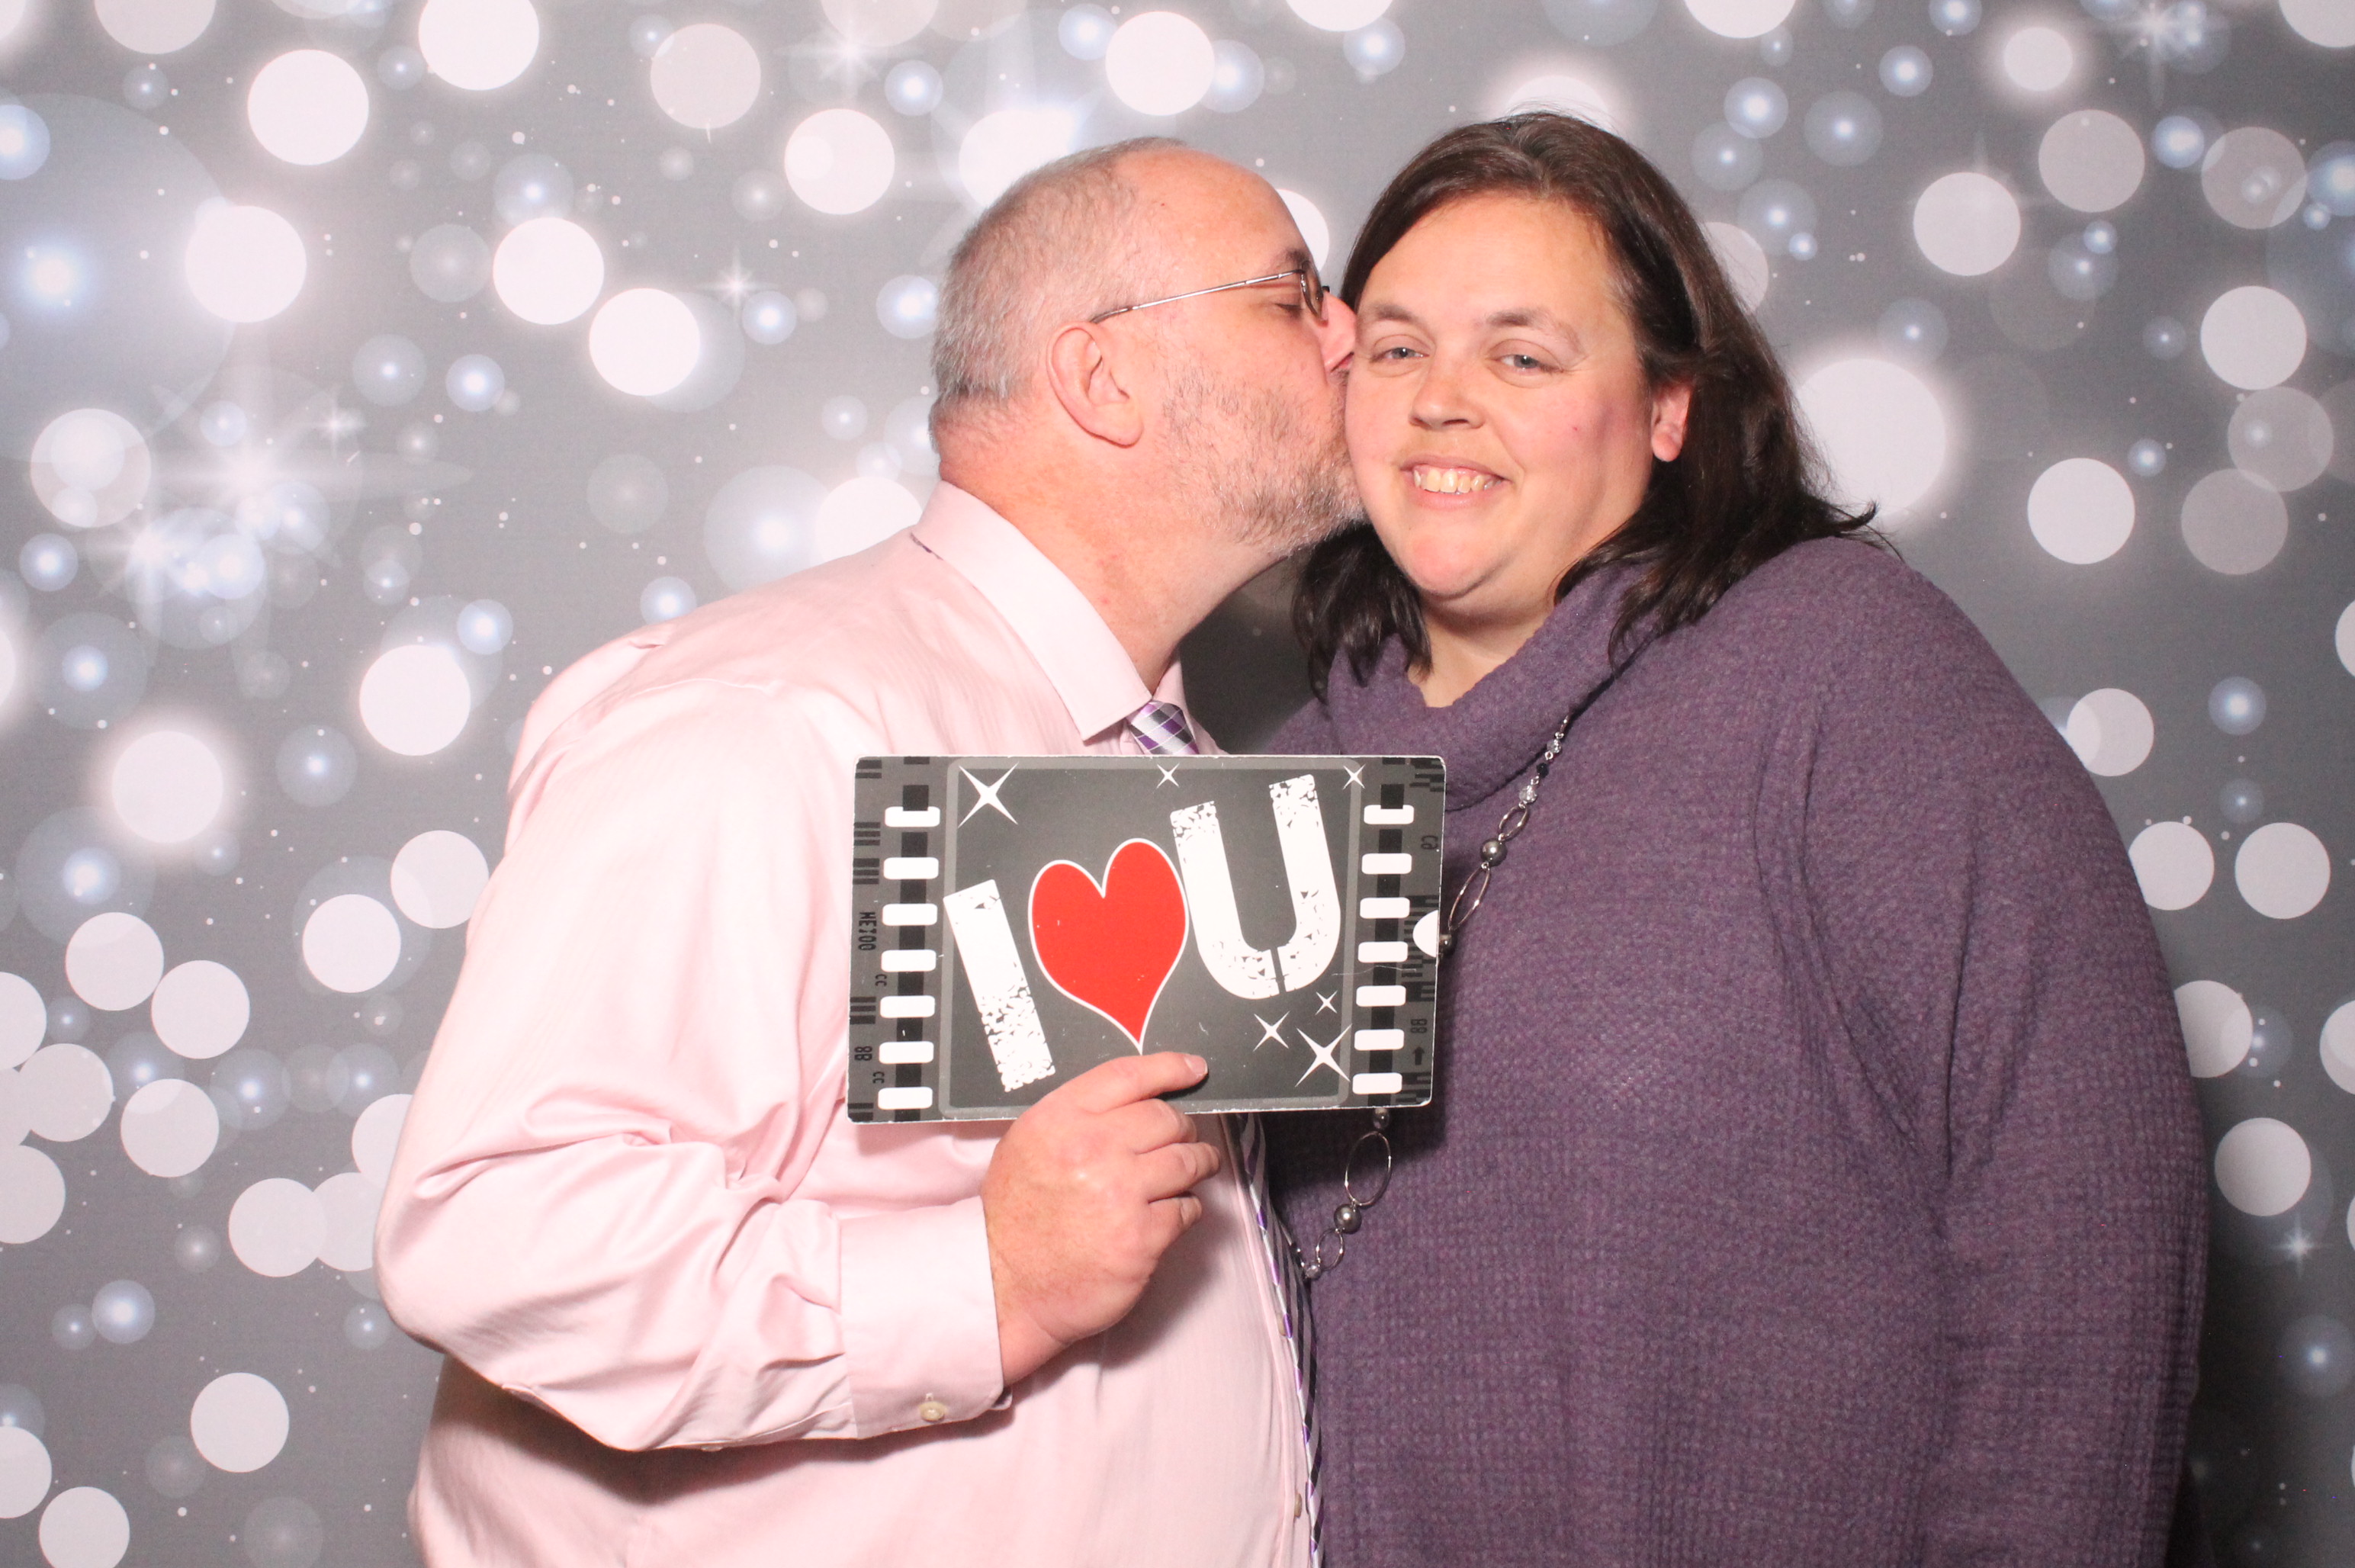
{"x":1745,"y":488}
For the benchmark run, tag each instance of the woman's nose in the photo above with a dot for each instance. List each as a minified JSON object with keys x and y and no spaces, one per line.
{"x":1440,"y":397}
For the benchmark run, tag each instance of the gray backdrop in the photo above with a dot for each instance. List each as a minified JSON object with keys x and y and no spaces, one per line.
{"x":363,"y":362}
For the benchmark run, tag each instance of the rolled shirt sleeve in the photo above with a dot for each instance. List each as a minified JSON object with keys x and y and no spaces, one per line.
{"x":613,"y":1195}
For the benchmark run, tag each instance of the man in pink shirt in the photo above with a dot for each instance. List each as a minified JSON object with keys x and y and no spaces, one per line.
{"x":695,"y":1315}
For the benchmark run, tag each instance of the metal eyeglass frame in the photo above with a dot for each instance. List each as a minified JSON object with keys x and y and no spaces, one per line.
{"x":1312,"y":294}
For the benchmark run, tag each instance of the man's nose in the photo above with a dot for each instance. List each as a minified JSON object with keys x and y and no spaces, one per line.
{"x":1337,"y":336}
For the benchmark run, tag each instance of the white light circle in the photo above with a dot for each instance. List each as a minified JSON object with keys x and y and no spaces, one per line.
{"x":113,"y":960}
{"x":24,"y":1019}
{"x":478,"y":44}
{"x":705,"y":76}
{"x":2343,"y":639}
{"x":238,"y":1421}
{"x":2263,"y":1166}
{"x":2091,"y":160}
{"x":437,"y":878}
{"x":2252,"y":338}
{"x":1159,"y":63}
{"x":274,"y":1228}
{"x":1339,"y":16}
{"x":307,"y":107}
{"x":1315,"y":232}
{"x":858,"y":513}
{"x":168,"y":787}
{"x":351,"y":943}
{"x":414,"y":699}
{"x":25,"y":1472}
{"x":90,"y":467}
{"x":2038,"y":59}
{"x":16,"y":1121}
{"x":2080,"y":510}
{"x":2218,"y":1027}
{"x":1739,"y":18}
{"x":2253,"y":178}
{"x":1744,"y":261}
{"x":2111,"y":732}
{"x":170,"y":1127}
{"x":2234,"y":523}
{"x":880,"y":24}
{"x":645,"y":341}
{"x":1880,"y":429}
{"x":2173,"y":864}
{"x":2283,"y":436}
{"x":154,"y":26}
{"x":839,"y":161}
{"x":32,"y":1194}
{"x":200,"y":1010}
{"x":84,"y":1527}
{"x":1003,"y":147}
{"x":547,"y":270}
{"x":244,"y":264}
{"x":348,"y":1204}
{"x":2282,"y":871}
{"x":66,"y":1091}
{"x":376,"y":1137}
{"x":2330,"y":23}
{"x":1967,"y":223}
{"x":2338,"y":1046}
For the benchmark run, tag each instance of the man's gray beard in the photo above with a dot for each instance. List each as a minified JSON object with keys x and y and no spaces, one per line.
{"x":1268,"y":486}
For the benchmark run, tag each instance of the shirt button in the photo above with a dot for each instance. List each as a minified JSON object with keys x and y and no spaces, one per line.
{"x":932,"y":1410}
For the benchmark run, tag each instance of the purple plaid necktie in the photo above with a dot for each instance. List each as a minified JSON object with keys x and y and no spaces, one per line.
{"x":1161,"y":730}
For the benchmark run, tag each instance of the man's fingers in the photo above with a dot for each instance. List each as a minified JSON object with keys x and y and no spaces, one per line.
{"x":1175,"y":1216}
{"x":1127,"y":1079}
{"x":1148,"y":1124}
{"x":1177,"y":1169}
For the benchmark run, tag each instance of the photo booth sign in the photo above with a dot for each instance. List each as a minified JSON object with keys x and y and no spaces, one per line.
{"x":1016,"y":920}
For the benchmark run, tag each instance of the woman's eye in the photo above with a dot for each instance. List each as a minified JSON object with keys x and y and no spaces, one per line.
{"x":1523,"y":362}
{"x":1394,"y":352}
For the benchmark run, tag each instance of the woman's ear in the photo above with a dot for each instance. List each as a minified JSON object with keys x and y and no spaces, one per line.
{"x":1670,"y":407}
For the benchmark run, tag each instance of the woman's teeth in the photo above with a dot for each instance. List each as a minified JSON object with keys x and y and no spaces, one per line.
{"x":1450,"y":481}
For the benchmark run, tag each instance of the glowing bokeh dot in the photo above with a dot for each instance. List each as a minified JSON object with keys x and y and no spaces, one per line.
{"x":170,"y":1127}
{"x":1744,"y":261}
{"x":239,"y":1421}
{"x":154,"y":26}
{"x":2342,"y":639}
{"x":437,"y":877}
{"x":1159,"y":63}
{"x":1967,"y":223}
{"x":2110,"y":730}
{"x":839,"y":161}
{"x":1881,"y":429}
{"x":114,"y":961}
{"x":2252,"y":338}
{"x":351,"y":943}
{"x":2217,"y":1027}
{"x":2173,"y":864}
{"x":90,"y":467}
{"x":705,"y":76}
{"x":2080,"y":510}
{"x":1559,"y":93}
{"x":2330,"y":23}
{"x":880,"y":24}
{"x":645,"y":341}
{"x":862,"y":512}
{"x":84,"y":1527}
{"x":376,"y":1137}
{"x":2263,"y":1166}
{"x":245,"y":263}
{"x":200,"y":1010}
{"x":347,"y":1208}
{"x":2038,"y":59}
{"x":1004,"y":146}
{"x":2338,"y":1046}
{"x":1741,"y":18}
{"x":168,"y":787}
{"x":307,"y":107}
{"x":414,"y":699}
{"x":23,"y":1019}
{"x":547,"y":271}
{"x":25,"y":1472}
{"x":67,"y":1092}
{"x":274,"y":1228}
{"x":32,"y":1194}
{"x":2234,"y":523}
{"x":2282,"y":871}
{"x":1339,"y":16}
{"x":1315,"y":232}
{"x":2091,"y":160}
{"x":478,"y":44}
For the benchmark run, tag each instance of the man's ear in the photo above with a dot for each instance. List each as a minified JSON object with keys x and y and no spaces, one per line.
{"x":1082,"y":370}
{"x":1671,"y":405}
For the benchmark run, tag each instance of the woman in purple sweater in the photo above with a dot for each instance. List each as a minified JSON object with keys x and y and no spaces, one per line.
{"x":1814,"y":1177}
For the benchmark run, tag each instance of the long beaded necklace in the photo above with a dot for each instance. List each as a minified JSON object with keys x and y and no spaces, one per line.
{"x":1374,"y":1143}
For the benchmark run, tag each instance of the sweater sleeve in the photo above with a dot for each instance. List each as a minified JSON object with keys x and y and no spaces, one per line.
{"x":1986,"y":955}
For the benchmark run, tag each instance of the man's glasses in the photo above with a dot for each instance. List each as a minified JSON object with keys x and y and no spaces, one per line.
{"x":1312,"y":294}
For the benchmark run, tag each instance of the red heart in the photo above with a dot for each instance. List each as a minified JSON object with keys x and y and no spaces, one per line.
{"x":1111,"y":946}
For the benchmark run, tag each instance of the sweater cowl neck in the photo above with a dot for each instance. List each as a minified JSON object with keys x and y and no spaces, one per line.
{"x":1492,"y":733}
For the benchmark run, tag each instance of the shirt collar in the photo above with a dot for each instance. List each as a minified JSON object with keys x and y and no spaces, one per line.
{"x":1084,"y":662}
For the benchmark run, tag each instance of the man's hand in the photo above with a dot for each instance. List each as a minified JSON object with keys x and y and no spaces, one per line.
{"x":1086,"y":1192}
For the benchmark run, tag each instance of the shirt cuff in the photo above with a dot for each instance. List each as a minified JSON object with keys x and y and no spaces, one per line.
{"x":919,"y":1318}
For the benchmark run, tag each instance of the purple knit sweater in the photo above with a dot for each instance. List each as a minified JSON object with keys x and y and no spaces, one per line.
{"x":1814,"y":1177}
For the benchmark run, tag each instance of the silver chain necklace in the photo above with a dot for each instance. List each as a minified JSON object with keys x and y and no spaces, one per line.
{"x":1374,"y":1141}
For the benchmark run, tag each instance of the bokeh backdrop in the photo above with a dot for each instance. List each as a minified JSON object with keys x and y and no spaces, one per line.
{"x":363,"y":362}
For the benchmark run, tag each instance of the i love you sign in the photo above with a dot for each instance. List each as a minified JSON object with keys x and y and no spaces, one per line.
{"x":1016,"y":920}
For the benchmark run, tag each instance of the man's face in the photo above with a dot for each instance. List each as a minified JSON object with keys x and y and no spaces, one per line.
{"x":1249,"y":382}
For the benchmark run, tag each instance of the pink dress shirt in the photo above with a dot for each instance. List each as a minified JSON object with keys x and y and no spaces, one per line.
{"x":627,"y":1195}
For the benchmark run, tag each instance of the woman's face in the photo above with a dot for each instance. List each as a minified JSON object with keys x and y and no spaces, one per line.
{"x":1498,"y":418}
